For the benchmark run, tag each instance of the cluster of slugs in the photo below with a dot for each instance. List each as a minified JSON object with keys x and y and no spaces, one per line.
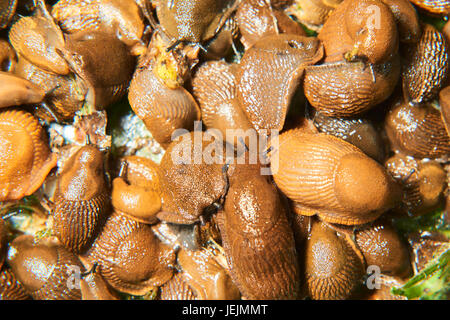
{"x":358,"y":90}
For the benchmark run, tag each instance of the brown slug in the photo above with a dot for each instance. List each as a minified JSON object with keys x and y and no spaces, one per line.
{"x":426,"y":66}
{"x":15,"y":91}
{"x":157,"y":97}
{"x":7,"y":11}
{"x":381,"y":245}
{"x":193,"y":20}
{"x":123,"y":19}
{"x":257,"y":19}
{"x":137,"y":192}
{"x":25,"y":158}
{"x":407,"y":19}
{"x":313,"y":13}
{"x":437,"y":7}
{"x":177,"y":289}
{"x":38,"y":38}
{"x":352,"y":32}
{"x":94,"y":287}
{"x":330,"y":177}
{"x":104,"y":64}
{"x":191,"y":184}
{"x":82,"y":199}
{"x":257,"y":237}
{"x":417,"y":131}
{"x":130,"y":258}
{"x":64,"y":95}
{"x":44,"y":268}
{"x":8,"y":57}
{"x":10,"y":288}
{"x":269,"y":74}
{"x":328,"y":89}
{"x":359,"y":132}
{"x":205,"y":277}
{"x":423,"y":182}
{"x":333,"y":269}
{"x":214,"y":87}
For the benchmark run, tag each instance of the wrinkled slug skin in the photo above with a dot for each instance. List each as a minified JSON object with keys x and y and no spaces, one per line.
{"x":214,"y":87}
{"x":444,"y":100}
{"x":438,"y":7}
{"x":25,"y":158}
{"x":258,"y":240}
{"x":7,"y":10}
{"x":426,"y":66}
{"x":417,"y":131}
{"x":80,"y":208}
{"x":162,"y":109}
{"x":269,"y":74}
{"x":10,"y":288}
{"x":346,"y":89}
{"x":333,"y":270}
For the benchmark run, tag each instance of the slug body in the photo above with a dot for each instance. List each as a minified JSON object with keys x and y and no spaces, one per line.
{"x":65,"y":95}
{"x":8,"y":57}
{"x":214,"y":87}
{"x":437,"y":7}
{"x":137,"y":194}
{"x":328,"y":89}
{"x":333,"y":270}
{"x":10,"y":288}
{"x":313,"y":13}
{"x":193,"y":21}
{"x":7,"y":11}
{"x":103,"y":62}
{"x":38,"y":39}
{"x":269,"y":74}
{"x":44,"y":268}
{"x":423,"y":182}
{"x":81,"y":199}
{"x":417,"y":131}
{"x":351,"y":31}
{"x":189,"y":184}
{"x":130,"y":257}
{"x":444,"y":101}
{"x":15,"y":91}
{"x":327,"y":176}
{"x":257,"y":238}
{"x":121,"y":18}
{"x":205,"y":277}
{"x":359,"y":132}
{"x":25,"y":158}
{"x":426,"y":68}
{"x":257,"y":19}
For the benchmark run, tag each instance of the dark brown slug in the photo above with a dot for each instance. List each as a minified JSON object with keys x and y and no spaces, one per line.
{"x":426,"y":66}
{"x":257,"y":19}
{"x":257,"y":237}
{"x":8,"y":57}
{"x":189,"y":184}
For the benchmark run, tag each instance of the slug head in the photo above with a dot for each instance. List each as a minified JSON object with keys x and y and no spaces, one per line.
{"x":83,"y":175}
